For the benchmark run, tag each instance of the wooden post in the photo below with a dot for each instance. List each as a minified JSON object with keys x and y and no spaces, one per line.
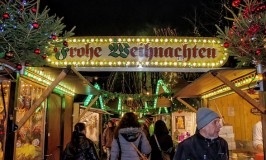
{"x":250,"y":100}
{"x":88,"y":107}
{"x":44,"y":95}
{"x":186,"y":104}
{"x":262,"y":100}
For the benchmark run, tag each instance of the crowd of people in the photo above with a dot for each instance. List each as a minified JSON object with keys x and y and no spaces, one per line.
{"x":130,"y":140}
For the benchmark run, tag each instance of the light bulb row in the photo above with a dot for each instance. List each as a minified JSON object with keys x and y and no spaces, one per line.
{"x":48,"y":77}
{"x":145,"y":40}
{"x":238,"y":83}
{"x":137,"y":64}
{"x":45,"y":81}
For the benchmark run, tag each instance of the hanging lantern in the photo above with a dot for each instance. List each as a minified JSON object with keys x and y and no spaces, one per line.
{"x":9,"y":54}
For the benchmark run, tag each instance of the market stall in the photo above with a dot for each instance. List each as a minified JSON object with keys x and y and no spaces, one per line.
{"x":37,"y":137}
{"x":235,"y":108}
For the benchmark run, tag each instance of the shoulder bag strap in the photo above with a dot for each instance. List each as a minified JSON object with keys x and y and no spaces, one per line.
{"x":119,"y":146}
{"x":141,"y":155}
{"x":157,"y":143}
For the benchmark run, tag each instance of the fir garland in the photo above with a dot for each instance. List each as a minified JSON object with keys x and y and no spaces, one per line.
{"x":246,"y":38}
{"x":26,"y":33}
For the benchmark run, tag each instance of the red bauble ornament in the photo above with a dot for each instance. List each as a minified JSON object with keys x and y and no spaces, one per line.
{"x":55,"y":49}
{"x":6,"y":16}
{"x":35,"y":25}
{"x":44,"y":56}
{"x":236,"y":3}
{"x":27,"y":64}
{"x":65,"y":43}
{"x":54,"y":37}
{"x":226,"y":44}
{"x":37,"y":51}
{"x":258,"y":52}
{"x":19,"y":66}
{"x":34,"y":10}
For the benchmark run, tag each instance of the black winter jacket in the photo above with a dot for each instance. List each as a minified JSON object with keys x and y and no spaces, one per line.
{"x":197,"y":147}
{"x":85,"y":151}
{"x":166,"y":144}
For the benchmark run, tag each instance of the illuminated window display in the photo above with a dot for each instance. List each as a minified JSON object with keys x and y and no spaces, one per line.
{"x":4,"y":101}
{"x":30,"y":137}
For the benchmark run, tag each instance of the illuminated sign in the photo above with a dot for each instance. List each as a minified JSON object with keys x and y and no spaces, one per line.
{"x":181,"y":52}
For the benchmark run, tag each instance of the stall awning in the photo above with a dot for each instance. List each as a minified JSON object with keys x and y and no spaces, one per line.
{"x":208,"y":82}
{"x":72,"y":80}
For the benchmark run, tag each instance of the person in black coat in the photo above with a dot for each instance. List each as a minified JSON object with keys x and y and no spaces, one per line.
{"x":164,"y":139}
{"x":205,"y":144}
{"x":80,"y":147}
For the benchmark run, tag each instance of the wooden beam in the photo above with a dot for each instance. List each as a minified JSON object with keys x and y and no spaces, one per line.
{"x":186,"y":104}
{"x":44,"y":95}
{"x":85,"y":81}
{"x":250,"y":100}
{"x":86,"y":110}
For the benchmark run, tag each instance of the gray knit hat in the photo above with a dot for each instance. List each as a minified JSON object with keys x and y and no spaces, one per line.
{"x":204,"y":117}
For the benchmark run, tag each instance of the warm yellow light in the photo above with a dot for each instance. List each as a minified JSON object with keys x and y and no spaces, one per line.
{"x":259,"y":76}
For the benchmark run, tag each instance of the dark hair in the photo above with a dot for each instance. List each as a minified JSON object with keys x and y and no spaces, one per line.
{"x":160,"y":128}
{"x":111,"y":122}
{"x":128,"y":120}
{"x":79,"y":127}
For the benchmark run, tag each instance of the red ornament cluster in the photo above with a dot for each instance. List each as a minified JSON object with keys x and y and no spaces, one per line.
{"x":253,"y":29}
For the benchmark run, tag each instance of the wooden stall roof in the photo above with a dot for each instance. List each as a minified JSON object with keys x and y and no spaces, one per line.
{"x":208,"y":82}
{"x":72,"y":80}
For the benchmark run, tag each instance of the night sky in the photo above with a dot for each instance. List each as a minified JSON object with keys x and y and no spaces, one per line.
{"x":137,"y":17}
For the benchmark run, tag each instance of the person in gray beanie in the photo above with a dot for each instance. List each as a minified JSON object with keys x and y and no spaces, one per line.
{"x":205,"y":144}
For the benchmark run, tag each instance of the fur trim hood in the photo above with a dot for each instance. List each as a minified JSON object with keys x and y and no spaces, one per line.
{"x":130,"y":134}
